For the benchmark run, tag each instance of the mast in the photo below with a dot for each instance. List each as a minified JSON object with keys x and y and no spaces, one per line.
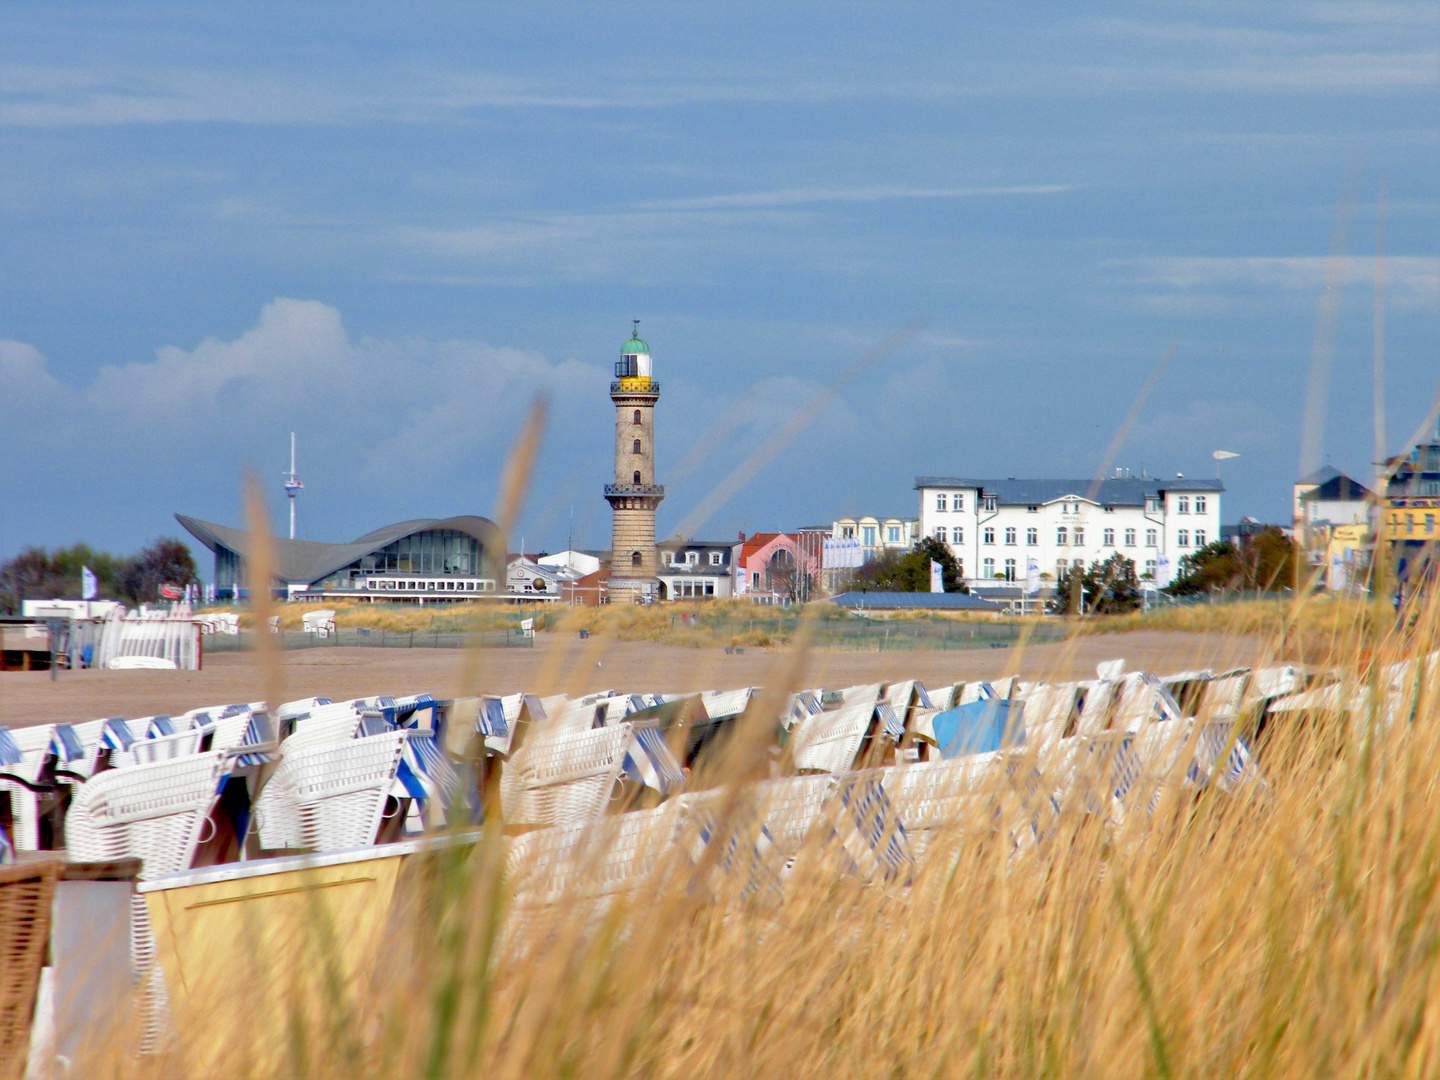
{"x":292,"y":485}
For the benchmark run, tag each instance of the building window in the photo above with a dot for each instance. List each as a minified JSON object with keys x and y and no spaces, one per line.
{"x":1182,"y":539}
{"x":1152,"y":506}
{"x":1150,"y":568}
{"x":847,"y":532}
{"x":959,"y":568}
{"x":1062,"y":536}
{"x":714,"y":558}
{"x":893,"y":534}
{"x":989,"y":565}
{"x":957,"y":535}
{"x":1060,"y":566}
{"x":987,"y":504}
{"x":636,"y":448}
{"x":1079,"y":537}
{"x":1079,"y":565}
{"x":691,"y":558}
{"x":869,"y":537}
{"x":1032,"y":537}
{"x":637,"y":476}
{"x":1009,"y":569}
{"x":940,"y":501}
{"x":634,"y":558}
{"x":1032,"y":509}
{"x":1010,"y":537}
{"x":755,"y":580}
{"x":1199,"y":538}
{"x":709,"y":588}
{"x":1108,"y":509}
{"x":637,"y":419}
{"x":1108,"y":538}
{"x":1199,"y":504}
{"x":1149,"y":537}
{"x":1129,"y":537}
{"x":1182,"y":505}
{"x":989,"y":537}
{"x":940,"y":534}
{"x":958,"y":503}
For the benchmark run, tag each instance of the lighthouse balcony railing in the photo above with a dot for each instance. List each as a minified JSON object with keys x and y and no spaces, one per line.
{"x":618,"y":387}
{"x":634,"y":489}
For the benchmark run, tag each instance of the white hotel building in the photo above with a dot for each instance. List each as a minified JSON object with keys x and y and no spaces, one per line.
{"x":995,"y":526}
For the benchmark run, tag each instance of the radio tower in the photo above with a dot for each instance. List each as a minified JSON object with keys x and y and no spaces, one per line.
{"x":292,"y":485}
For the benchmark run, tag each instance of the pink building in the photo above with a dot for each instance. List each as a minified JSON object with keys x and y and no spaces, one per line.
{"x":774,"y":568}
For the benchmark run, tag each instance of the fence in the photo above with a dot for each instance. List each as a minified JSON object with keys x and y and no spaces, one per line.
{"x":378,"y":639}
{"x":881,"y":635}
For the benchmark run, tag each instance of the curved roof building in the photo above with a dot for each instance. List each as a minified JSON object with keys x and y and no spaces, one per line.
{"x":454,"y":558}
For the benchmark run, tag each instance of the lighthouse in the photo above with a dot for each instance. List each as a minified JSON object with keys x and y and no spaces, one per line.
{"x":634,"y":495}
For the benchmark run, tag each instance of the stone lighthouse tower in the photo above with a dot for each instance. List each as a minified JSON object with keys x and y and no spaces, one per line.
{"x":634,"y":495}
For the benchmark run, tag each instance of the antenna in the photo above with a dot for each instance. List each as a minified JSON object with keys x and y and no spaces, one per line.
{"x":292,"y":485}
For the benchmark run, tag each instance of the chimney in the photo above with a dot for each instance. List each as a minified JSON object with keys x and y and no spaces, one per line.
{"x":742,"y":537}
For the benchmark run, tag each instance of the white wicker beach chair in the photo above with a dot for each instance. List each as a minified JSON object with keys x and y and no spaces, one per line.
{"x":563,"y":779}
{"x":719,"y":703}
{"x":790,"y":808}
{"x":164,"y":748}
{"x":829,"y":741}
{"x":34,"y":745}
{"x":323,"y":725}
{"x":610,"y":856}
{"x":331,"y":796}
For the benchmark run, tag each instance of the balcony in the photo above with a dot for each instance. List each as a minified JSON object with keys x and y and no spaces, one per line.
{"x":635,"y":489}
{"x":619,"y":387}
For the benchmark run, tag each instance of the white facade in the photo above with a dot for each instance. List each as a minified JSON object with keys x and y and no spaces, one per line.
{"x":877,"y":535}
{"x":994,"y":527}
{"x":582,"y":563}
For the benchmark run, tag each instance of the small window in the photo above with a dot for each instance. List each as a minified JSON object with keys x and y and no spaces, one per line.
{"x":958,"y":503}
{"x":1150,"y":567}
{"x":1182,"y":504}
{"x":1062,"y":536}
{"x":1129,"y":537}
{"x":989,"y":565}
{"x":691,"y":558}
{"x":755,"y":580}
{"x":635,"y":558}
{"x":1010,"y":537}
{"x":1149,"y":537}
{"x":1152,"y":506}
{"x":988,"y":504}
{"x":636,"y":448}
{"x":715,"y":559}
{"x":1182,"y":538}
{"x":1199,"y":538}
{"x":1032,"y":509}
{"x":1009,"y":569}
{"x":637,"y":419}
{"x":1108,"y":538}
{"x":1061,"y":565}
{"x":1079,"y":565}
{"x":893,"y":534}
{"x":942,"y":535}
{"x":957,"y":535}
{"x":1079,"y":537}
{"x":1032,"y":537}
{"x":990,"y":538}
{"x":940,"y":502}
{"x":637,"y":476}
{"x":1199,"y":504}
{"x":709,"y":588}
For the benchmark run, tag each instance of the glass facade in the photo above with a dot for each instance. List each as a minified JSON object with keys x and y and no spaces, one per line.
{"x":432,"y":552}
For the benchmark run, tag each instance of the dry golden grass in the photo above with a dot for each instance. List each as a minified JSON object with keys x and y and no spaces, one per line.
{"x":1289,"y":930}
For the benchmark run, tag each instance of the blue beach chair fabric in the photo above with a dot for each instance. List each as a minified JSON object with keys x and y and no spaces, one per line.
{"x":980,"y":727}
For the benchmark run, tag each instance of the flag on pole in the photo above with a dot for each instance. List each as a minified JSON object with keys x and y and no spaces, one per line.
{"x":1162,"y":572}
{"x":1032,"y":575}
{"x":937,"y":577}
{"x":88,"y":585}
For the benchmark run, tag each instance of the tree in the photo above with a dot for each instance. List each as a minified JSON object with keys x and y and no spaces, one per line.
{"x":910,"y":571}
{"x":35,"y":574}
{"x":1107,"y":588}
{"x":165,"y":562}
{"x":1264,"y":561}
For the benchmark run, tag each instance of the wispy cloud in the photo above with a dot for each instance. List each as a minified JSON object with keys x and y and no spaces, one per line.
{"x":1412,"y":279}
{"x":811,"y":196}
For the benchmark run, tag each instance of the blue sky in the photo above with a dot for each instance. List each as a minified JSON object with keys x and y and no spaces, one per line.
{"x":387,"y":227}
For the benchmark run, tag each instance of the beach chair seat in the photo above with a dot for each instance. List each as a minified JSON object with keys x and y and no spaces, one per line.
{"x":564,"y":779}
{"x":25,"y":754}
{"x":331,"y":796}
{"x":162,"y":748}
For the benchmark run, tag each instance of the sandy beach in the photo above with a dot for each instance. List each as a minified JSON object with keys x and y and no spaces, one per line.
{"x":572,"y":666}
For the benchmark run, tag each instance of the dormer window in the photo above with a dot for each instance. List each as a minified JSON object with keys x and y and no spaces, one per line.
{"x":715,"y":558}
{"x":691,"y":558}
{"x":988,"y":504}
{"x":1152,"y":506}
